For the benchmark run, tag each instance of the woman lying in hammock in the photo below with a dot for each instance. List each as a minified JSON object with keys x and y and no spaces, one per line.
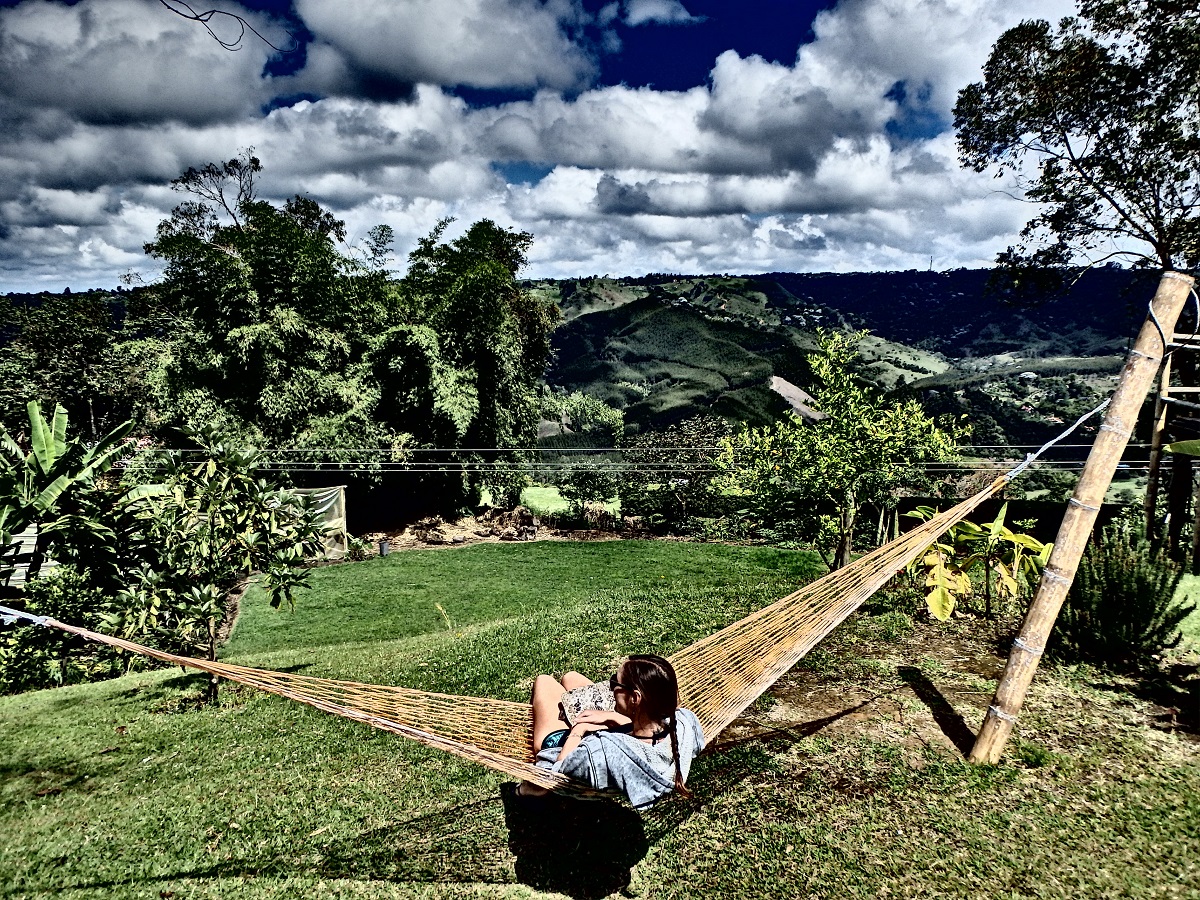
{"x":644,"y":747}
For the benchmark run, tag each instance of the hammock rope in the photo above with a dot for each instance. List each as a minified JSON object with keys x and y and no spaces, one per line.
{"x":719,"y":675}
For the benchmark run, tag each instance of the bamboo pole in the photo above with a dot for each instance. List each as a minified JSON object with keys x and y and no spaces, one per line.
{"x":1136,"y":379}
{"x":1156,"y":444}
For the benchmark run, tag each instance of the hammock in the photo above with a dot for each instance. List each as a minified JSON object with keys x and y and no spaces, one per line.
{"x":719,"y":676}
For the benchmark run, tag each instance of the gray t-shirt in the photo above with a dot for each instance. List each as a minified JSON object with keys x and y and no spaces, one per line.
{"x":612,"y":761}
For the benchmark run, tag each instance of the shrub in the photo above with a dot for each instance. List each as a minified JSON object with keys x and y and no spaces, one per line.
{"x":587,"y":482}
{"x":1122,"y":610}
{"x":33,"y":657}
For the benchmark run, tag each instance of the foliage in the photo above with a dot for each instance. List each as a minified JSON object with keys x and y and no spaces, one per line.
{"x":1122,"y":610}
{"x":585,"y":482}
{"x":863,"y":450}
{"x":35,"y":657}
{"x":288,"y":340}
{"x":583,"y":413}
{"x":462,"y":368}
{"x":1008,"y":563}
{"x":74,"y":350}
{"x":215,"y":520}
{"x":33,"y":483}
{"x":274,"y":326}
{"x":669,"y":482}
{"x":1106,"y":105}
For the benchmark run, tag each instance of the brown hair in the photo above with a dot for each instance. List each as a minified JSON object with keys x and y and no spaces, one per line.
{"x":654,"y":677}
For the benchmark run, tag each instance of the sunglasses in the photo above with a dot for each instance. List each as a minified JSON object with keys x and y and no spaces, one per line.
{"x":614,"y":685}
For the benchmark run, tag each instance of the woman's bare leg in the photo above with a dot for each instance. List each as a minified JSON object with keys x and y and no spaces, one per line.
{"x":547,"y":718}
{"x":573,"y":680}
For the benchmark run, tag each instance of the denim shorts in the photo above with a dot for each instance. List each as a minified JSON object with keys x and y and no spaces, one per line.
{"x":555,"y":739}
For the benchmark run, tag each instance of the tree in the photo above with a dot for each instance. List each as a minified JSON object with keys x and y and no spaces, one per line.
{"x":275,"y":323}
{"x":463,"y":366}
{"x":293,"y":341}
{"x":1107,"y":105}
{"x":210,"y":521}
{"x":73,"y":349}
{"x":587,"y":481}
{"x":861,"y":452}
{"x":669,"y":479}
{"x":1009,"y":562}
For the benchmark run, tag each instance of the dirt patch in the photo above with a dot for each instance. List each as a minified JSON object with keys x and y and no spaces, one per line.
{"x":490,"y":527}
{"x":928,"y":691}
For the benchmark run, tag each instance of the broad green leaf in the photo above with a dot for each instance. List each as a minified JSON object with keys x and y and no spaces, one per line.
{"x":41,"y":437}
{"x":1186,"y":448}
{"x":50,"y":494}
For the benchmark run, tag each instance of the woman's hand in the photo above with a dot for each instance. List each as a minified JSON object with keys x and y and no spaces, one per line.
{"x":602,"y":719}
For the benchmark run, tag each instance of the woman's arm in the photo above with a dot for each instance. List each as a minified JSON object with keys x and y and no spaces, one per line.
{"x":578,"y":732}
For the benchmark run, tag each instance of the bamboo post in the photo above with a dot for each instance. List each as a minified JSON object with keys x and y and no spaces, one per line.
{"x":1156,"y":444}
{"x":1136,"y":379}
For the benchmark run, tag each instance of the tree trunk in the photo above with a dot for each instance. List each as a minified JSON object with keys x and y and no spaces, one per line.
{"x":1179,"y":495}
{"x":846,"y":532}
{"x":214,"y":683}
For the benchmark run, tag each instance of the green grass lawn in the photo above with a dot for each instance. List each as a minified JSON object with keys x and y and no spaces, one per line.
{"x":844,"y":788}
{"x":545,"y":500}
{"x":1189,"y":588}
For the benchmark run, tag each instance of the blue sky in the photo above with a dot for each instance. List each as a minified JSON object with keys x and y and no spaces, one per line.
{"x":628,"y":136}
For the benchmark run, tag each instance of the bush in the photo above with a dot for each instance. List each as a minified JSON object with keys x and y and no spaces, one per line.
{"x":33,"y":657}
{"x":1122,"y":610}
{"x":586,"y":483}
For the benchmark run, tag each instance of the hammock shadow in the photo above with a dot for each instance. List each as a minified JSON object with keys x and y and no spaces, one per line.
{"x":582,"y":848}
{"x":948,"y":719}
{"x":794,"y":730}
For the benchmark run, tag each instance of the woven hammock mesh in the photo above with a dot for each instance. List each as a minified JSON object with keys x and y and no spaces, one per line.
{"x":719,"y":676}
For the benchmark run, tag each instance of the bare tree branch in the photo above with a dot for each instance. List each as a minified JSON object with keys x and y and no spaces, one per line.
{"x":186,"y":11}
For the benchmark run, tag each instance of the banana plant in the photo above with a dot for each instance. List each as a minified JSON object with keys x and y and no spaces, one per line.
{"x":32,"y":483}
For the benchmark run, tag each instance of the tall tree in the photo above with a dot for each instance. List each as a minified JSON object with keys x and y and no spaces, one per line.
{"x":472,"y":346}
{"x":1098,"y":118}
{"x":295,"y":341}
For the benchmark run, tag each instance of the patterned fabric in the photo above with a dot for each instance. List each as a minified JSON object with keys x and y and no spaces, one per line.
{"x":590,"y":696}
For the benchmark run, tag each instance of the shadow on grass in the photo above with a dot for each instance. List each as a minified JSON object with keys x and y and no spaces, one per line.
{"x":795,"y":730}
{"x":948,"y":719}
{"x":581,"y":848}
{"x":1175,"y":692}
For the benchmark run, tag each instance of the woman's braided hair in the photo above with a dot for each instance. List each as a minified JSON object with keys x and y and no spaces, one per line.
{"x":654,"y":677}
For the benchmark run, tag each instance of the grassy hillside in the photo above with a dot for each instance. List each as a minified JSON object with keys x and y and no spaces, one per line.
{"x":845,"y":782}
{"x":665,"y":347}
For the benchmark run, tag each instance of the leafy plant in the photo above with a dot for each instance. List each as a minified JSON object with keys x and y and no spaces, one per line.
{"x":213,"y":520}
{"x":1122,"y":610}
{"x":1008,"y":563}
{"x":862,"y":450}
{"x":669,"y":482}
{"x":32,"y":483}
{"x":34,"y":657}
{"x":587,"y":482}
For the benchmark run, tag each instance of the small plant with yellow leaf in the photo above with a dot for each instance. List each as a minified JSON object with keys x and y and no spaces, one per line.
{"x":1008,"y":563}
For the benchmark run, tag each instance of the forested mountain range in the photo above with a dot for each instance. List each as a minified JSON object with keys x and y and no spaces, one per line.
{"x":664,"y":346}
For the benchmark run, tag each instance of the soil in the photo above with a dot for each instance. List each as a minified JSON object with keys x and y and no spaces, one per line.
{"x":487,"y":528}
{"x":929,"y":691}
